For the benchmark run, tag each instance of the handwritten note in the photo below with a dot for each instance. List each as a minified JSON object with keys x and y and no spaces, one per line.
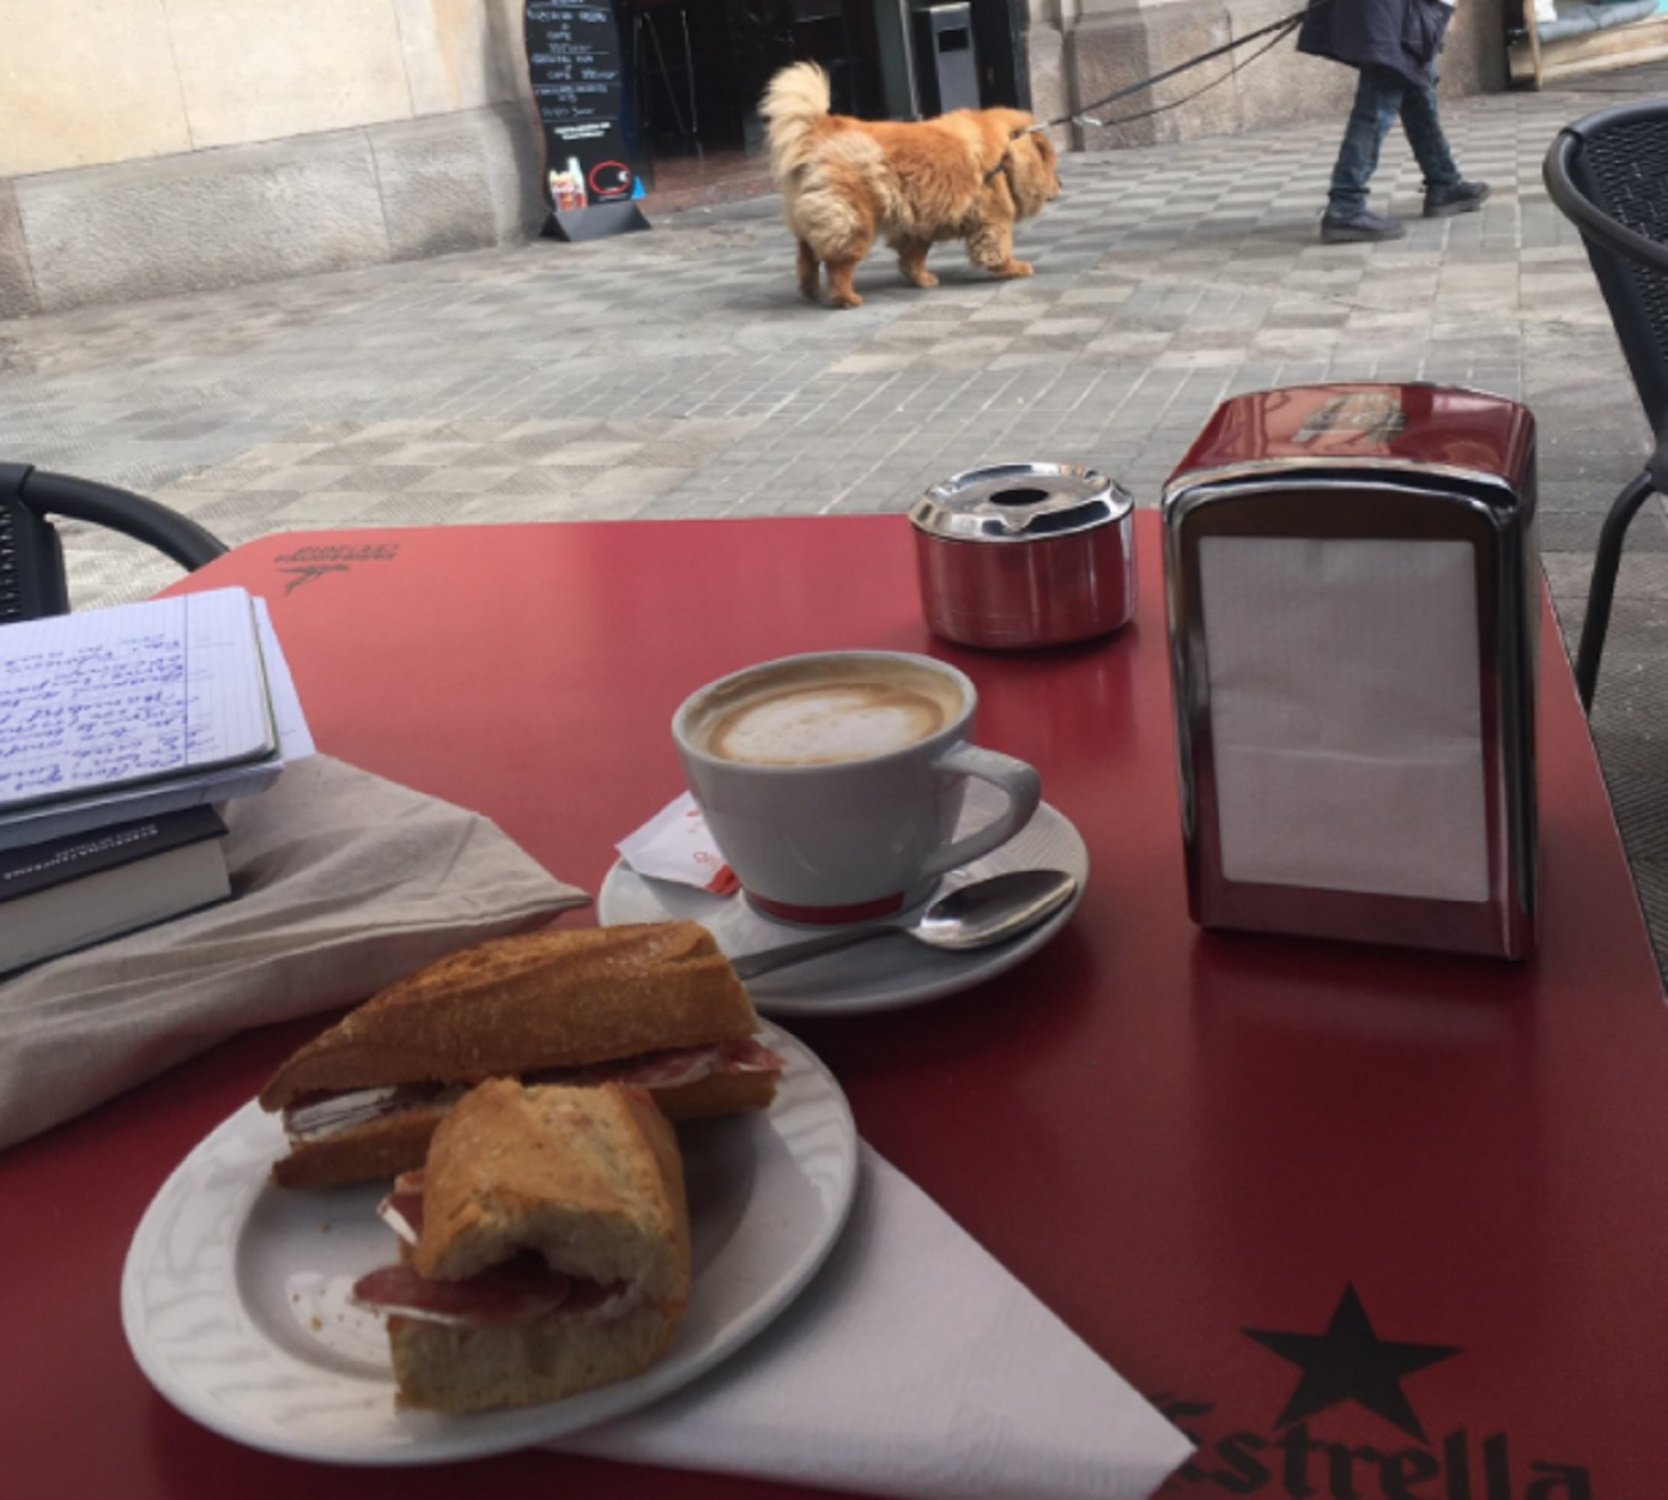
{"x":111,"y":697}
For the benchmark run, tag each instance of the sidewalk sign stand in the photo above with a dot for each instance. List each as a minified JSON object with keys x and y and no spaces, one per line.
{"x":577,"y":65}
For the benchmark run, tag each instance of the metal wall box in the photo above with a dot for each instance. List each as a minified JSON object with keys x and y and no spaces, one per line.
{"x":1353,"y":592}
{"x":945,"y":57}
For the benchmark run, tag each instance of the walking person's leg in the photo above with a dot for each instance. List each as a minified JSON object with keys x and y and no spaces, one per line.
{"x":1378,"y":100}
{"x":1446,"y":191}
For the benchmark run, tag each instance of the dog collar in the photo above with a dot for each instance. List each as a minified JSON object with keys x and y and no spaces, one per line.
{"x":1003,"y":167}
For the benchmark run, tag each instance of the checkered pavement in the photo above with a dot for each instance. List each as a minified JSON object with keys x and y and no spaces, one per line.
{"x":679,"y":374}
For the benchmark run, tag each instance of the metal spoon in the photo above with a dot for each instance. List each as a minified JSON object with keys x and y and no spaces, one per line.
{"x":972,"y":916}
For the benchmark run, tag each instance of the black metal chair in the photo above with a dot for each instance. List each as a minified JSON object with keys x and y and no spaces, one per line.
{"x":1608,"y":174}
{"x":32,"y":579}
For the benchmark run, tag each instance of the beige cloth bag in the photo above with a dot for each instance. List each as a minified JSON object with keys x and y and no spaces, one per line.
{"x":344,"y":881}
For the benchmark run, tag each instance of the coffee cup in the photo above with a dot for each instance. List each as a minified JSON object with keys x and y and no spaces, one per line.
{"x":832,"y":782}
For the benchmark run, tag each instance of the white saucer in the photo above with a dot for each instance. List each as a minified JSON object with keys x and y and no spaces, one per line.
{"x":886,"y":974}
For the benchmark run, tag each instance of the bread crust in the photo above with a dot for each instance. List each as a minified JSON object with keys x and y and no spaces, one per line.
{"x":591,"y":1178}
{"x":560,"y":998}
{"x":379,"y":1148}
{"x":717,"y":1094}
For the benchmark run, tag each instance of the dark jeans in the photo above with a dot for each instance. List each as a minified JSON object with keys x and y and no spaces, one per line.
{"x":1380,"y":96}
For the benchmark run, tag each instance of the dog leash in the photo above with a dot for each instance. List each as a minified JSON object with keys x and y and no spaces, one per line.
{"x":1277,"y":31}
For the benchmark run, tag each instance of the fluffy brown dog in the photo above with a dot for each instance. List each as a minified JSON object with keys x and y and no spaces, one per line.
{"x":964,"y":176}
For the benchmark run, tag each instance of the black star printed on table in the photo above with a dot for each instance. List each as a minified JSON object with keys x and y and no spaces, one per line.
{"x":1349,"y":1362}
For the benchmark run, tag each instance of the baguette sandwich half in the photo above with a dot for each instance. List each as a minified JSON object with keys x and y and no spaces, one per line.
{"x":546,"y":1248}
{"x":655,"y":1004}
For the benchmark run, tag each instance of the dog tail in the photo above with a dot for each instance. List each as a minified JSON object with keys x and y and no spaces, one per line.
{"x":797,"y":98}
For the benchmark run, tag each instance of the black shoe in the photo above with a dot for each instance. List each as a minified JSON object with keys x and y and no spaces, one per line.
{"x":1339,"y":229}
{"x":1460,"y":198}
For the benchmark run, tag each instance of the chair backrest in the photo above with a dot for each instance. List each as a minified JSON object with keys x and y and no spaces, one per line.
{"x":1606,"y":173}
{"x":32,"y":580}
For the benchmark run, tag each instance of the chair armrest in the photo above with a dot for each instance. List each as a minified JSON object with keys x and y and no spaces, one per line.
{"x":181,"y":538}
{"x":1587,"y":217}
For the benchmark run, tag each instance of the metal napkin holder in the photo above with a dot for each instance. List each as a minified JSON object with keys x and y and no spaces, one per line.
{"x":1339,"y":466}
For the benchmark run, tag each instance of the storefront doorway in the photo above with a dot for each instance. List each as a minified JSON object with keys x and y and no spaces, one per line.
{"x":699,"y":68}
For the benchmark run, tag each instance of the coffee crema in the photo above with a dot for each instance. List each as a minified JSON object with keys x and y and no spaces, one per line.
{"x":807,"y":717}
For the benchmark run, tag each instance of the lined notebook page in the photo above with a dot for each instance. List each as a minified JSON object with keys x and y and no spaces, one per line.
{"x":143,"y":691}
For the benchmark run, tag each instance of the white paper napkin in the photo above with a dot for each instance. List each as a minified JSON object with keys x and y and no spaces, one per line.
{"x":676,"y":845}
{"x":913,"y":1366}
{"x":345,"y":882}
{"x":1346,"y":717}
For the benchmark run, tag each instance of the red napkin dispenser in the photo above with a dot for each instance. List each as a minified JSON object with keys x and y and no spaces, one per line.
{"x":1353,"y":592}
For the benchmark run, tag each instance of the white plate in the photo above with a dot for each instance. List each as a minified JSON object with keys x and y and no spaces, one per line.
{"x":234,"y":1295}
{"x":882,"y":975}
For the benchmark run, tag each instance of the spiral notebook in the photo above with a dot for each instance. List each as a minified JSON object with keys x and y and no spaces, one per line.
{"x":143,"y":708}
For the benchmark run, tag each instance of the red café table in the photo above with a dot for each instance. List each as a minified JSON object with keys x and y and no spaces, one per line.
{"x":1366,"y":1223}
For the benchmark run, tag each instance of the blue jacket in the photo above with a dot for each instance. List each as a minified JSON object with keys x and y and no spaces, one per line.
{"x":1404,"y":35}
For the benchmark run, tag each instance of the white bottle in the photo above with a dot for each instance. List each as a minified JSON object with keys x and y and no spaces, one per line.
{"x":576,"y":180}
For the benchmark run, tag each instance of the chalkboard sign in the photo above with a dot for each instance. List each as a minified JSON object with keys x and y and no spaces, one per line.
{"x":577,"y":63}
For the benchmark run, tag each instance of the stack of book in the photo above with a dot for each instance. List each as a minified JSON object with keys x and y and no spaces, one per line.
{"x":119,"y":730}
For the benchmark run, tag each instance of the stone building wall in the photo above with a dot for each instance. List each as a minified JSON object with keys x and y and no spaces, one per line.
{"x":158,"y":146}
{"x":1082,"y":52}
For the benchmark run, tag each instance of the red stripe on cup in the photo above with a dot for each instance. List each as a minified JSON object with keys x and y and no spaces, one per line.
{"x":829,"y":916}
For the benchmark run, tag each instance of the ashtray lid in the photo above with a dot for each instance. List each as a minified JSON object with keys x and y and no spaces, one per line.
{"x":1020,"y":503}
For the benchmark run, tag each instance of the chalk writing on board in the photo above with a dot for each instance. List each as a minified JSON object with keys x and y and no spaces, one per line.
{"x":578,"y":74}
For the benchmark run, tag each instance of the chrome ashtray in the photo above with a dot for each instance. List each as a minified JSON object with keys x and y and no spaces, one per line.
{"x":1028,"y":554}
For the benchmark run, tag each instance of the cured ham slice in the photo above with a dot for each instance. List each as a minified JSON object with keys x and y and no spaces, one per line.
{"x":317,"y":1118}
{"x":523,"y":1290}
{"x":673,"y":1068}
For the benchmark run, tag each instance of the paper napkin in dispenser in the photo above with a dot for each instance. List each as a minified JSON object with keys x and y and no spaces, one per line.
{"x":1352,"y":586}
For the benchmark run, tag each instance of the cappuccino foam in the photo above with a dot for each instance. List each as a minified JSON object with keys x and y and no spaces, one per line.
{"x":840,"y":718}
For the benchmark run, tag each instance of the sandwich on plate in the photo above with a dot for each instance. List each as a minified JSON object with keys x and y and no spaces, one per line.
{"x":545,"y":1248}
{"x":655,"y":1004}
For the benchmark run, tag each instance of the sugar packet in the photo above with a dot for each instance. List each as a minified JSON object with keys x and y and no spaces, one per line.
{"x":675,"y":845}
